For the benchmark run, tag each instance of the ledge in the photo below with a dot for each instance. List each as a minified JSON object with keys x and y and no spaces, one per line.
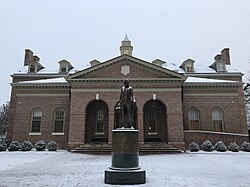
{"x":35,"y":133}
{"x":57,"y":133}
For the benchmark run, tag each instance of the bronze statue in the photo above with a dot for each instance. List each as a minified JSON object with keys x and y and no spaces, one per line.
{"x":126,"y":104}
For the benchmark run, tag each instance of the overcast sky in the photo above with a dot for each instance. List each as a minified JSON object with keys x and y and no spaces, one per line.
{"x":80,"y":31}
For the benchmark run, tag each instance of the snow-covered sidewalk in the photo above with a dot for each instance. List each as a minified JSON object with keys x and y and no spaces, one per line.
{"x":63,"y":168}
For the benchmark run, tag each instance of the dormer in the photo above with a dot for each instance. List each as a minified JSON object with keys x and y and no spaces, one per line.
{"x":64,"y":66}
{"x":158,"y":62}
{"x":94,"y":62}
{"x":219,"y":65}
{"x":35,"y":67}
{"x":188,"y":65}
{"x":32,"y":61}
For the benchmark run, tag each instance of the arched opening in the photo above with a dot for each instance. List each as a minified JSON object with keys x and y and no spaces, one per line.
{"x":97,"y":122}
{"x":118,"y":116}
{"x":154,"y":117}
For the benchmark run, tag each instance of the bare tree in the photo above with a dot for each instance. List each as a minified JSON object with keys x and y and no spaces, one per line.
{"x":4,"y":111}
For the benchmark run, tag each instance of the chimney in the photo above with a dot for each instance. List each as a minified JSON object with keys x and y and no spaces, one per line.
{"x":225,"y":55}
{"x":28,"y":57}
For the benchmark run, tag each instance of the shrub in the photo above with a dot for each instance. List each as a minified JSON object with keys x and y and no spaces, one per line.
{"x":14,"y":146}
{"x":7,"y":141}
{"x":220,"y":146}
{"x":26,"y":146}
{"x":233,"y":147}
{"x":52,"y":146}
{"x":245,"y":146}
{"x":40,"y":145}
{"x":207,"y":146}
{"x":3,"y":146}
{"x":194,"y":147}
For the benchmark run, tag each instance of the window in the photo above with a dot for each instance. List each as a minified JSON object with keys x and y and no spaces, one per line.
{"x":189,"y":67}
{"x":63,"y":69}
{"x":59,"y":120}
{"x":193,"y":119}
{"x":32,"y":68}
{"x":36,"y":120}
{"x":217,"y":120}
{"x":221,"y":67}
{"x":152,"y":122}
{"x":100,"y":121}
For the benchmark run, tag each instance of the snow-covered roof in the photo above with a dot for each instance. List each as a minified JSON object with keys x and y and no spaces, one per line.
{"x":204,"y":80}
{"x":44,"y":81}
{"x":53,"y":68}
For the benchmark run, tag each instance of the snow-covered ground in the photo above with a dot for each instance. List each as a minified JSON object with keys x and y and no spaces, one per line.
{"x":63,"y":168}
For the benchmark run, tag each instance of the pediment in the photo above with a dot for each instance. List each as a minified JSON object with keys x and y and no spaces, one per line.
{"x":126,"y":66}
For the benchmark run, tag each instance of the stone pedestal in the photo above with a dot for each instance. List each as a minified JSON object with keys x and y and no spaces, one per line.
{"x":125,"y":167}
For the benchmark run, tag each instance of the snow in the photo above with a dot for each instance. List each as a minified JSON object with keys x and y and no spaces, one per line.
{"x":62,"y":168}
{"x":204,"y":80}
{"x":42,"y":81}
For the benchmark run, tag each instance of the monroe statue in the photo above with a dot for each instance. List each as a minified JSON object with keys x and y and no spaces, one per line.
{"x":126,"y":104}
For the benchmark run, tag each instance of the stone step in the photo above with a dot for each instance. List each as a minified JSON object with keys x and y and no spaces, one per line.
{"x":147,"y":148}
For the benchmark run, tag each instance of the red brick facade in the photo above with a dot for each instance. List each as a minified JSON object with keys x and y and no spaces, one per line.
{"x":102,"y":82}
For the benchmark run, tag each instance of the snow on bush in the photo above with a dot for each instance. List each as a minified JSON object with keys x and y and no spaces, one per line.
{"x":245,"y":146}
{"x":40,"y":145}
{"x":207,"y":146}
{"x":7,"y":141}
{"x":52,"y":146}
{"x":233,"y":147}
{"x":220,"y":146}
{"x":26,"y":146}
{"x":14,"y":146}
{"x":3,"y":146}
{"x":194,"y":147}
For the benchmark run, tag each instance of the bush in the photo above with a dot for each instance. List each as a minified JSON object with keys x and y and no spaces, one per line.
{"x":194,"y":147}
{"x":7,"y":141}
{"x":3,"y":146}
{"x":233,"y":147}
{"x":14,"y":146}
{"x":40,"y":145}
{"x":26,"y":146}
{"x":245,"y":146}
{"x":220,"y":146}
{"x":207,"y":146}
{"x":52,"y":146}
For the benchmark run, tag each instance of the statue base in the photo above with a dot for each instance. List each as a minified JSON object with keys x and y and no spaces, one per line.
{"x":125,"y":176}
{"x":125,"y":167}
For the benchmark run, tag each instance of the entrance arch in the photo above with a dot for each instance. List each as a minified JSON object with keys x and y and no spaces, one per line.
{"x":154,"y":118}
{"x":97,"y":122}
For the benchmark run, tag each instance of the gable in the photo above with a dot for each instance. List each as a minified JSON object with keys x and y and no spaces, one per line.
{"x":126,"y":67}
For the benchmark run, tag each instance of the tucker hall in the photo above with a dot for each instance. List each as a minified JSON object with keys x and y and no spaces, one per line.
{"x":176,"y":104}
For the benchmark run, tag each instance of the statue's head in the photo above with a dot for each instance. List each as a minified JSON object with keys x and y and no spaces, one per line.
{"x":126,"y":83}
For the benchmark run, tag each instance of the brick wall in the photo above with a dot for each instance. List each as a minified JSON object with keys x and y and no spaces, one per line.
{"x":23,"y":113}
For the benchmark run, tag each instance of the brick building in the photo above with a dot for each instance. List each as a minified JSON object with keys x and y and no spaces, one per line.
{"x":175,"y":104}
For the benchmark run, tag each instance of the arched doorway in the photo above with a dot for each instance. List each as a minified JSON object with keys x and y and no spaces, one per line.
{"x":97,"y":122}
{"x":154,"y":117}
{"x":118,"y":116}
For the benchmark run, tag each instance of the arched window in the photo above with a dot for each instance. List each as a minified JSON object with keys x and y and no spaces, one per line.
{"x":58,"y":120}
{"x":36,"y":120}
{"x":217,"y":120}
{"x":193,"y":119}
{"x":100,"y":121}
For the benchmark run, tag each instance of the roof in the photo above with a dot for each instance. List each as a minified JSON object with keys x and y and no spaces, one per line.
{"x":52,"y":68}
